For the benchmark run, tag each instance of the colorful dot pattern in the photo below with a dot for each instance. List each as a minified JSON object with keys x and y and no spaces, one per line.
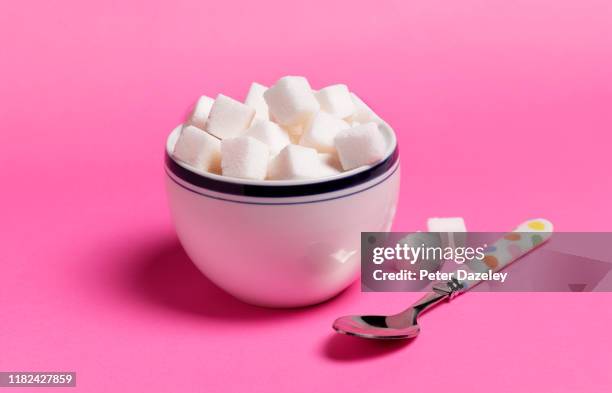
{"x":513,"y":245}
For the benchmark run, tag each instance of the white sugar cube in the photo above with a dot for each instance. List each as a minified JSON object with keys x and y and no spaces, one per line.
{"x":320,"y":131}
{"x":336,"y":100}
{"x":294,"y":130}
{"x":451,"y":229}
{"x":229,"y":118}
{"x":291,"y":100}
{"x":295,"y":139}
{"x":255,"y":100}
{"x":447,"y":224}
{"x":269,"y":133}
{"x":200,"y":112}
{"x":360,"y":145}
{"x":199,"y":149}
{"x":294,"y":162}
{"x":329,"y":165}
{"x":363,"y":113}
{"x":244,"y":157}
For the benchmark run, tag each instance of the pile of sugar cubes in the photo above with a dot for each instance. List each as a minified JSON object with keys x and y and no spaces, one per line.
{"x":284,"y":132}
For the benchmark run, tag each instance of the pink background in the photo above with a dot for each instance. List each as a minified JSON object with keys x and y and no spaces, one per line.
{"x":503,"y":110}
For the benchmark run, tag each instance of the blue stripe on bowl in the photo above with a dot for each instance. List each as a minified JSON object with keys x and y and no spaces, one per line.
{"x":281,"y":191}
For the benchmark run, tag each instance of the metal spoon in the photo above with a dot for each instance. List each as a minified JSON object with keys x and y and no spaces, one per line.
{"x":404,"y":325}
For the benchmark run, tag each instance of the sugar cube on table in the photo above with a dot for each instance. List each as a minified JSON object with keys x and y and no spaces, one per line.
{"x":360,"y":145}
{"x":446,"y":224}
{"x":255,"y":100}
{"x":269,"y":133}
{"x":199,"y":149}
{"x":336,"y":100}
{"x":320,"y":131}
{"x":200,"y":112}
{"x":291,"y":100}
{"x":228,"y":118}
{"x":244,"y":157}
{"x":294,"y":162}
{"x":363,"y":113}
{"x":451,"y":230}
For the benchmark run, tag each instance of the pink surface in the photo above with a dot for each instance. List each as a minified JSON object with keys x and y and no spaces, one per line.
{"x":503,"y":111}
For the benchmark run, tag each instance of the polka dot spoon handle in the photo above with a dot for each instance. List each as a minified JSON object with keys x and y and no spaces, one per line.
{"x":513,"y":245}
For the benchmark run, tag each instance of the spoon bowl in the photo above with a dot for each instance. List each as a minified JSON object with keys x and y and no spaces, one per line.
{"x":373,"y":326}
{"x":392,"y":327}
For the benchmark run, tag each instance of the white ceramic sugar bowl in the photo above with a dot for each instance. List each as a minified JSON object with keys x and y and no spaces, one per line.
{"x":281,"y":243}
